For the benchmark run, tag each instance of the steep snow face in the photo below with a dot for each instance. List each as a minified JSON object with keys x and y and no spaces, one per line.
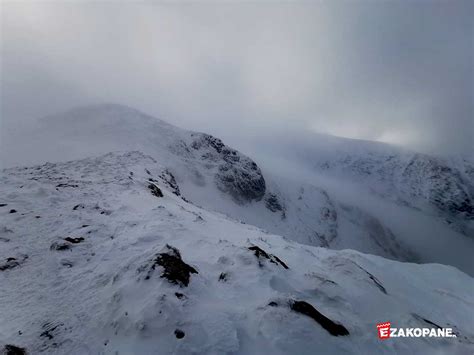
{"x":103,"y":255}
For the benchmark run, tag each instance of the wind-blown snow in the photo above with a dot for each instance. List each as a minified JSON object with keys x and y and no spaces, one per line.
{"x":93,"y":295}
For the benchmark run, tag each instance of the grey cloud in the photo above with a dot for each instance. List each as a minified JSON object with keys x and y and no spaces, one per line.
{"x":393,"y":71}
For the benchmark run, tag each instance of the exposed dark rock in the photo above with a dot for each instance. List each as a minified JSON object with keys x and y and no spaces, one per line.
{"x":377,"y":283}
{"x":9,"y":264}
{"x":155,"y":190}
{"x":49,"y":330}
{"x":74,"y":240}
{"x":179,"y":295}
{"x":260,"y":253}
{"x":243,"y":181}
{"x":12,"y":211}
{"x":273,"y":203}
{"x":67,"y":185}
{"x":420,"y":318}
{"x":13,"y":350}
{"x":78,"y":206}
{"x":175,"y":269}
{"x":374,"y":279}
{"x":12,"y":262}
{"x":3,"y":204}
{"x":236,"y":174}
{"x":60,"y":246}
{"x":273,"y":304}
{"x":307,"y":309}
{"x":169,"y":179}
{"x":67,"y":263}
{"x":179,"y":333}
{"x":207,"y":140}
{"x":223,"y":277}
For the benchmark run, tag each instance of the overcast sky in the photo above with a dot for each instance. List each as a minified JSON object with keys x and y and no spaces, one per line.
{"x":395,"y":71}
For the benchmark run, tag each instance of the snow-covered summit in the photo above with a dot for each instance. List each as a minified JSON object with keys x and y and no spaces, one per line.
{"x":103,"y":255}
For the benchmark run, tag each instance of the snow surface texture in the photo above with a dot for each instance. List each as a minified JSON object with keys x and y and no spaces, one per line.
{"x":93,"y":260}
{"x":386,"y":212}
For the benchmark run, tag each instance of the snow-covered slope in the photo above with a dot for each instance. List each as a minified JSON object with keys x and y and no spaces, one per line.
{"x":102,"y":255}
{"x":219,"y":178}
{"x":438,"y":186}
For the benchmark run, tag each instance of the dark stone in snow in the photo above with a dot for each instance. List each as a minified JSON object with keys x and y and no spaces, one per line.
{"x":308,"y":310}
{"x":260,"y":253}
{"x":12,"y":211}
{"x":179,"y":333}
{"x":374,"y":279}
{"x":155,"y":190}
{"x":3,"y":204}
{"x":60,"y":246}
{"x":420,"y":318}
{"x":175,"y":269}
{"x":74,"y":240}
{"x":12,"y":262}
{"x":67,"y":185}
{"x":13,"y":350}
{"x":9,"y":264}
{"x":50,"y":330}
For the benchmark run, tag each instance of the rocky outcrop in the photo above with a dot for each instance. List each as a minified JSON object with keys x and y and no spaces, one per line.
{"x":236,"y":174}
{"x":175,"y":270}
{"x":307,"y":309}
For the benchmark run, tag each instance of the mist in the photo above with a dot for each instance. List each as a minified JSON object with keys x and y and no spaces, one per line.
{"x":393,"y":72}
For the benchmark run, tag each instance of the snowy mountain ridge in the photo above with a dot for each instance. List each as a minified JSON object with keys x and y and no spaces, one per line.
{"x":119,"y":262}
{"x":219,"y":178}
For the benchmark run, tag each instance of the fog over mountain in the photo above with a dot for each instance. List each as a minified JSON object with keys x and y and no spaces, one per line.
{"x":180,"y":244}
{"x":236,"y":178}
{"x":391,"y":71}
